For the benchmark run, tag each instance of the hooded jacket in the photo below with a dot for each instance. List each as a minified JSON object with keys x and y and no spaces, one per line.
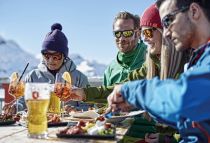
{"x":42,"y":75}
{"x":119,"y":68}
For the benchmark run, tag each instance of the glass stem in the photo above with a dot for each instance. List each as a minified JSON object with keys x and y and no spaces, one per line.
{"x":62,"y":111}
{"x":17,"y":106}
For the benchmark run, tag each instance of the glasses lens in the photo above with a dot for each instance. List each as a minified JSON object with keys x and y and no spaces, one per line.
{"x":54,"y":56}
{"x":117,"y":34}
{"x":128,"y":33}
{"x":148,"y":33}
{"x":167,"y":20}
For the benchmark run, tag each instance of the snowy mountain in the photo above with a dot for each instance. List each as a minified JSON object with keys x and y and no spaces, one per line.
{"x":13,"y":58}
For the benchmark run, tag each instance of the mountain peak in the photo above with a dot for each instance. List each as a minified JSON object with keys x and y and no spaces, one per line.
{"x":13,"y":58}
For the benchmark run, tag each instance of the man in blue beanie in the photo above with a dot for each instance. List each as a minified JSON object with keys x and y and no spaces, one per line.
{"x":55,"y":61}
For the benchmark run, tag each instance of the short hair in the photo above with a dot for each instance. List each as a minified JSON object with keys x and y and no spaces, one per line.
{"x":126,"y":15}
{"x":204,"y":4}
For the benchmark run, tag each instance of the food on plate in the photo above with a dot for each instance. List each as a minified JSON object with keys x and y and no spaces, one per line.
{"x":107,"y":130}
{"x":53,"y":118}
{"x":17,"y":117}
{"x":70,"y":109}
{"x":5,"y":117}
{"x":99,"y":127}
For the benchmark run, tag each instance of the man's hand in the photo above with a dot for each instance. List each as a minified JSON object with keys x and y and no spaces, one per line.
{"x":116,"y":101}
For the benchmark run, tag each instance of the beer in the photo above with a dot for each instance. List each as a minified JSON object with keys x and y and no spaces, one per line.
{"x":37,"y":100}
{"x":55,"y":104}
{"x":37,"y":119}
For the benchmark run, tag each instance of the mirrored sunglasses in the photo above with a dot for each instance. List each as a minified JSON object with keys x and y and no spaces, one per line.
{"x":54,"y":56}
{"x":168,"y":19}
{"x":125,"y":33}
{"x":148,"y":33}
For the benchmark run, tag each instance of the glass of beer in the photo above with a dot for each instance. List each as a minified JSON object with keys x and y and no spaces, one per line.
{"x":37,"y":97}
{"x":55,"y":104}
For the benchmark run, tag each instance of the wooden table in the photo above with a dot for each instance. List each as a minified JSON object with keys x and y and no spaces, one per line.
{"x":18,"y":134}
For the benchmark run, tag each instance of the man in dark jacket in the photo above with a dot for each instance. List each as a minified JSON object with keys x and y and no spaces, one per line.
{"x":132,"y":50}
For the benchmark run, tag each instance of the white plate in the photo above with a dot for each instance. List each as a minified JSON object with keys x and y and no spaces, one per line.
{"x":86,"y":114}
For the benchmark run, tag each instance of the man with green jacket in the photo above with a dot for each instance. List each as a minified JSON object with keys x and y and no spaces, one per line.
{"x":132,"y":50}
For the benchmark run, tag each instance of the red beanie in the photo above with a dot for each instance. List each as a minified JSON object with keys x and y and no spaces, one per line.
{"x":151,"y":17}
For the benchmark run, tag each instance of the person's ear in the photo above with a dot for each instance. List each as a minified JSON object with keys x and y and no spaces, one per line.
{"x":138,"y":33}
{"x":195,"y":11}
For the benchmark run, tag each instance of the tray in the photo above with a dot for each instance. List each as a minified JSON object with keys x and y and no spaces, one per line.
{"x":9,"y":122}
{"x":86,"y":136}
{"x":57,"y":124}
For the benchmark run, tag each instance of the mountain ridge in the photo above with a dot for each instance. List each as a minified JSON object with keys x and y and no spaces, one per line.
{"x":14,"y":58}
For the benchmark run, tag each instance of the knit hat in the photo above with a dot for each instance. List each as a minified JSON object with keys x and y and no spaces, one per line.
{"x":151,"y":17}
{"x":56,"y":40}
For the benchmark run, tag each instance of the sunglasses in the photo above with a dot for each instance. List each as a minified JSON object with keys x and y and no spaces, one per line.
{"x":54,"y":56}
{"x":125,"y":33}
{"x":148,"y":33}
{"x":168,"y":19}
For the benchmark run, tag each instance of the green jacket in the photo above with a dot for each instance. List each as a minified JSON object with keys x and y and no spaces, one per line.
{"x":119,"y":68}
{"x":99,"y":94}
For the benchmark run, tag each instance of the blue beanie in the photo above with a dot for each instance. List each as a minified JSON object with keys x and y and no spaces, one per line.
{"x":56,"y":40}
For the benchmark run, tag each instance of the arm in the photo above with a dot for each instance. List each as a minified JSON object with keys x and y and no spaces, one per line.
{"x":137,"y":74}
{"x":97,"y":94}
{"x":171,"y":99}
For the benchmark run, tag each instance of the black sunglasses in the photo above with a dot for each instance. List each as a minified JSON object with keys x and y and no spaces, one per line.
{"x":168,"y":19}
{"x":125,"y":33}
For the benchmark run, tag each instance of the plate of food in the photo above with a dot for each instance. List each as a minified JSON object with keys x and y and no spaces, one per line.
{"x":54,"y":120}
{"x":6,"y":120}
{"x":98,"y":129}
{"x":117,"y":117}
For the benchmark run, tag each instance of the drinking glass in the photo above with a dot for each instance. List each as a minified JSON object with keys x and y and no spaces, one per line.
{"x":16,"y":89}
{"x":61,"y":89}
{"x":37,"y":97}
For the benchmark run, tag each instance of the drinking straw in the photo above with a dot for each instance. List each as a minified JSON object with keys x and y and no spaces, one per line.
{"x":23,"y":72}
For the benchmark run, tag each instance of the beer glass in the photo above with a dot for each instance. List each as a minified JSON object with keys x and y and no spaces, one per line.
{"x":37,"y":97}
{"x":55,"y":104}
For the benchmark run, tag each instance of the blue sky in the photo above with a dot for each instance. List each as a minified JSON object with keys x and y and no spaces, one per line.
{"x":86,"y":23}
